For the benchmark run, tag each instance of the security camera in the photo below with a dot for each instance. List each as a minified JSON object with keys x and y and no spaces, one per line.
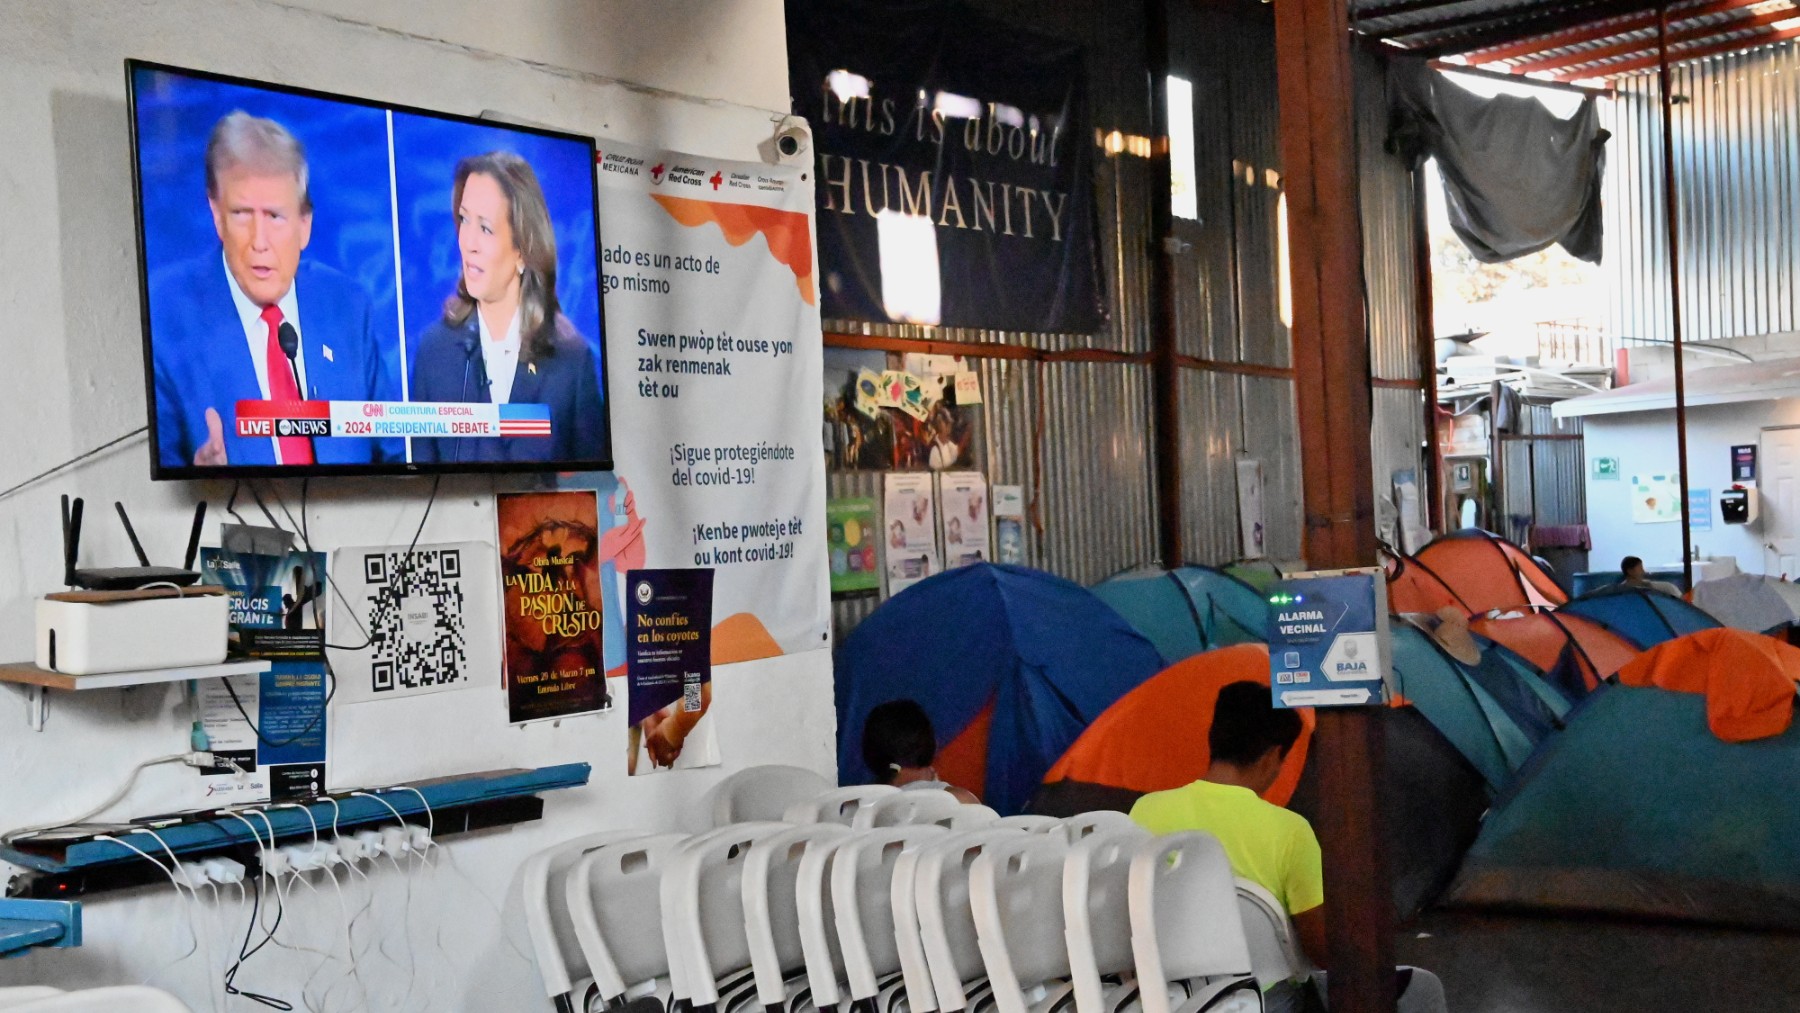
{"x":791,"y":141}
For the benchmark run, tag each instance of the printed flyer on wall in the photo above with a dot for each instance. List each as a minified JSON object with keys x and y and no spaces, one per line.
{"x":1009,"y":524}
{"x":669,"y":670}
{"x":963,"y":495}
{"x":277,"y":613}
{"x":911,"y":533}
{"x":550,"y":570}
{"x":852,"y":528}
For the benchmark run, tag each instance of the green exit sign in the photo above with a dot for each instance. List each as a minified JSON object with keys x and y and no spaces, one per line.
{"x":1606,"y":469}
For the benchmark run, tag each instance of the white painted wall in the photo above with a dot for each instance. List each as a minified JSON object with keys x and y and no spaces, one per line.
{"x":702,"y":75}
{"x":1644,"y":442}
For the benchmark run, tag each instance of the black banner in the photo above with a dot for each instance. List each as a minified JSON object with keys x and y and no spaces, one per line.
{"x":932,"y":122}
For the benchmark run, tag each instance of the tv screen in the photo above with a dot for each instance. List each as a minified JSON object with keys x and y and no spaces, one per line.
{"x":332,"y":285}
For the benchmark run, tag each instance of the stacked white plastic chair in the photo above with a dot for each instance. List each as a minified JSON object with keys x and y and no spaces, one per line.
{"x":1015,"y":895}
{"x":762,"y":793}
{"x":544,"y":882}
{"x":1097,"y":917}
{"x":614,"y":897}
{"x":772,"y":910}
{"x":703,"y":924}
{"x":946,"y":924}
{"x":882,"y":901}
{"x":1183,"y":935}
{"x":839,"y":805}
{"x":862,"y":878}
{"x":1274,"y":952}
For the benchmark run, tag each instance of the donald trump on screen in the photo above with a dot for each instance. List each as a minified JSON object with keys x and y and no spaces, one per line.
{"x":253,"y":321}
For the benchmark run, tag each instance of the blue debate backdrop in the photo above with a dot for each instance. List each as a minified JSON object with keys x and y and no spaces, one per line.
{"x":426,"y":151}
{"x":346,"y":158}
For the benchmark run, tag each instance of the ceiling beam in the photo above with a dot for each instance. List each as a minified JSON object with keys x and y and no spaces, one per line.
{"x":1737,"y":45}
{"x":1500,"y":75}
{"x":1399,"y":7}
{"x":1522,"y":26}
{"x":1648,"y":45}
{"x":1595,"y":32}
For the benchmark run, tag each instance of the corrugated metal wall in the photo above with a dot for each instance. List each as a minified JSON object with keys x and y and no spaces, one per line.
{"x":1543,"y":480}
{"x":1228,"y":290}
{"x":1737,"y":151}
{"x":1390,"y":273}
{"x":1075,"y":435}
{"x":1078,"y":435}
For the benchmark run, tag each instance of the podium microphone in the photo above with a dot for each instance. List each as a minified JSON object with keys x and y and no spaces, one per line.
{"x":289,"y":339}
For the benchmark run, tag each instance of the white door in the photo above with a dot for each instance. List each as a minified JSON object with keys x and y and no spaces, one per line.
{"x":1778,"y":483}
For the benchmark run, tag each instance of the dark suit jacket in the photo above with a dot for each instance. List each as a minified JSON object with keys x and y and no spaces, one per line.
{"x":200,"y":361}
{"x":567,"y":380}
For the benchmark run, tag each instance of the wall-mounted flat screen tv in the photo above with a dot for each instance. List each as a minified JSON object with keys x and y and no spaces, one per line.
{"x":337,"y":286}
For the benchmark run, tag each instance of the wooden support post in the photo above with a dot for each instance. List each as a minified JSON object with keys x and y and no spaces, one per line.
{"x":1165,"y":352}
{"x":1334,"y":392}
{"x":1672,"y":211}
{"x":1432,"y":484}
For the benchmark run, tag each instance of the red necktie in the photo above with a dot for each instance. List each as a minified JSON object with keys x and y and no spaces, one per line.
{"x":294,"y":449}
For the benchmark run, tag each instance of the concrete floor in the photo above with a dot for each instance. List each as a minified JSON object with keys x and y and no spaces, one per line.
{"x":1508,"y":964}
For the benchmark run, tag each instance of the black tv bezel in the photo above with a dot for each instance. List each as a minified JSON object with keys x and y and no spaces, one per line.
{"x":160,"y":472}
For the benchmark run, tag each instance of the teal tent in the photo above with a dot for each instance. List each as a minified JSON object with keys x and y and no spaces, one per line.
{"x":1637,"y":809}
{"x":1479,"y":709}
{"x":1645,"y":618}
{"x":1188,"y":611}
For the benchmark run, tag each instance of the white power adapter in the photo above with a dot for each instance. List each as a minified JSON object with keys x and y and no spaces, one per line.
{"x":349,"y":849}
{"x":192,"y":875}
{"x":396,"y":841}
{"x":275,"y":861}
{"x":223,"y":870}
{"x":419,"y":838}
{"x":300,"y":857}
{"x":368,"y":843}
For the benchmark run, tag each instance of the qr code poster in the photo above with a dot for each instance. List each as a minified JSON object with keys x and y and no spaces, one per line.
{"x":429,"y":617}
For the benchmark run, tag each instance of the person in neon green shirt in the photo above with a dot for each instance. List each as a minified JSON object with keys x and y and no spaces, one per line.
{"x":1268,"y":845}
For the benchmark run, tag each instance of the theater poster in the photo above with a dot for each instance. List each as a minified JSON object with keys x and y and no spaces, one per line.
{"x":669,"y":665}
{"x":550,"y":573}
{"x":716,"y":362}
{"x":954,"y":166}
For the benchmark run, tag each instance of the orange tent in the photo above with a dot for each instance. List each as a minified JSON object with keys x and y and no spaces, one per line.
{"x":1542,"y":637}
{"x":1748,"y":679}
{"x":1154,"y":737}
{"x":1474,"y":570}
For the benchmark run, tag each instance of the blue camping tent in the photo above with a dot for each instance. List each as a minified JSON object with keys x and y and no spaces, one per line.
{"x":1188,"y":611}
{"x":1045,"y":653}
{"x":1494,"y":713}
{"x":1637,"y":809}
{"x":1646,"y":618}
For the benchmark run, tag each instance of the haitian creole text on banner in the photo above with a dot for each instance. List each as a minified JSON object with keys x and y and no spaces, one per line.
{"x":669,"y":660}
{"x":550,"y":573}
{"x":713,"y":347}
{"x":955,"y":165}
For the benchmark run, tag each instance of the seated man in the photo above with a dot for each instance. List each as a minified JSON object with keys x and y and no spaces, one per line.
{"x":1268,"y":845}
{"x":1636,"y":579}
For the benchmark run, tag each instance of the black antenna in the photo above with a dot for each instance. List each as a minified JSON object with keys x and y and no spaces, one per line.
{"x":143,"y":560}
{"x":74,"y":540}
{"x":194,"y":536}
{"x":69,"y":536}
